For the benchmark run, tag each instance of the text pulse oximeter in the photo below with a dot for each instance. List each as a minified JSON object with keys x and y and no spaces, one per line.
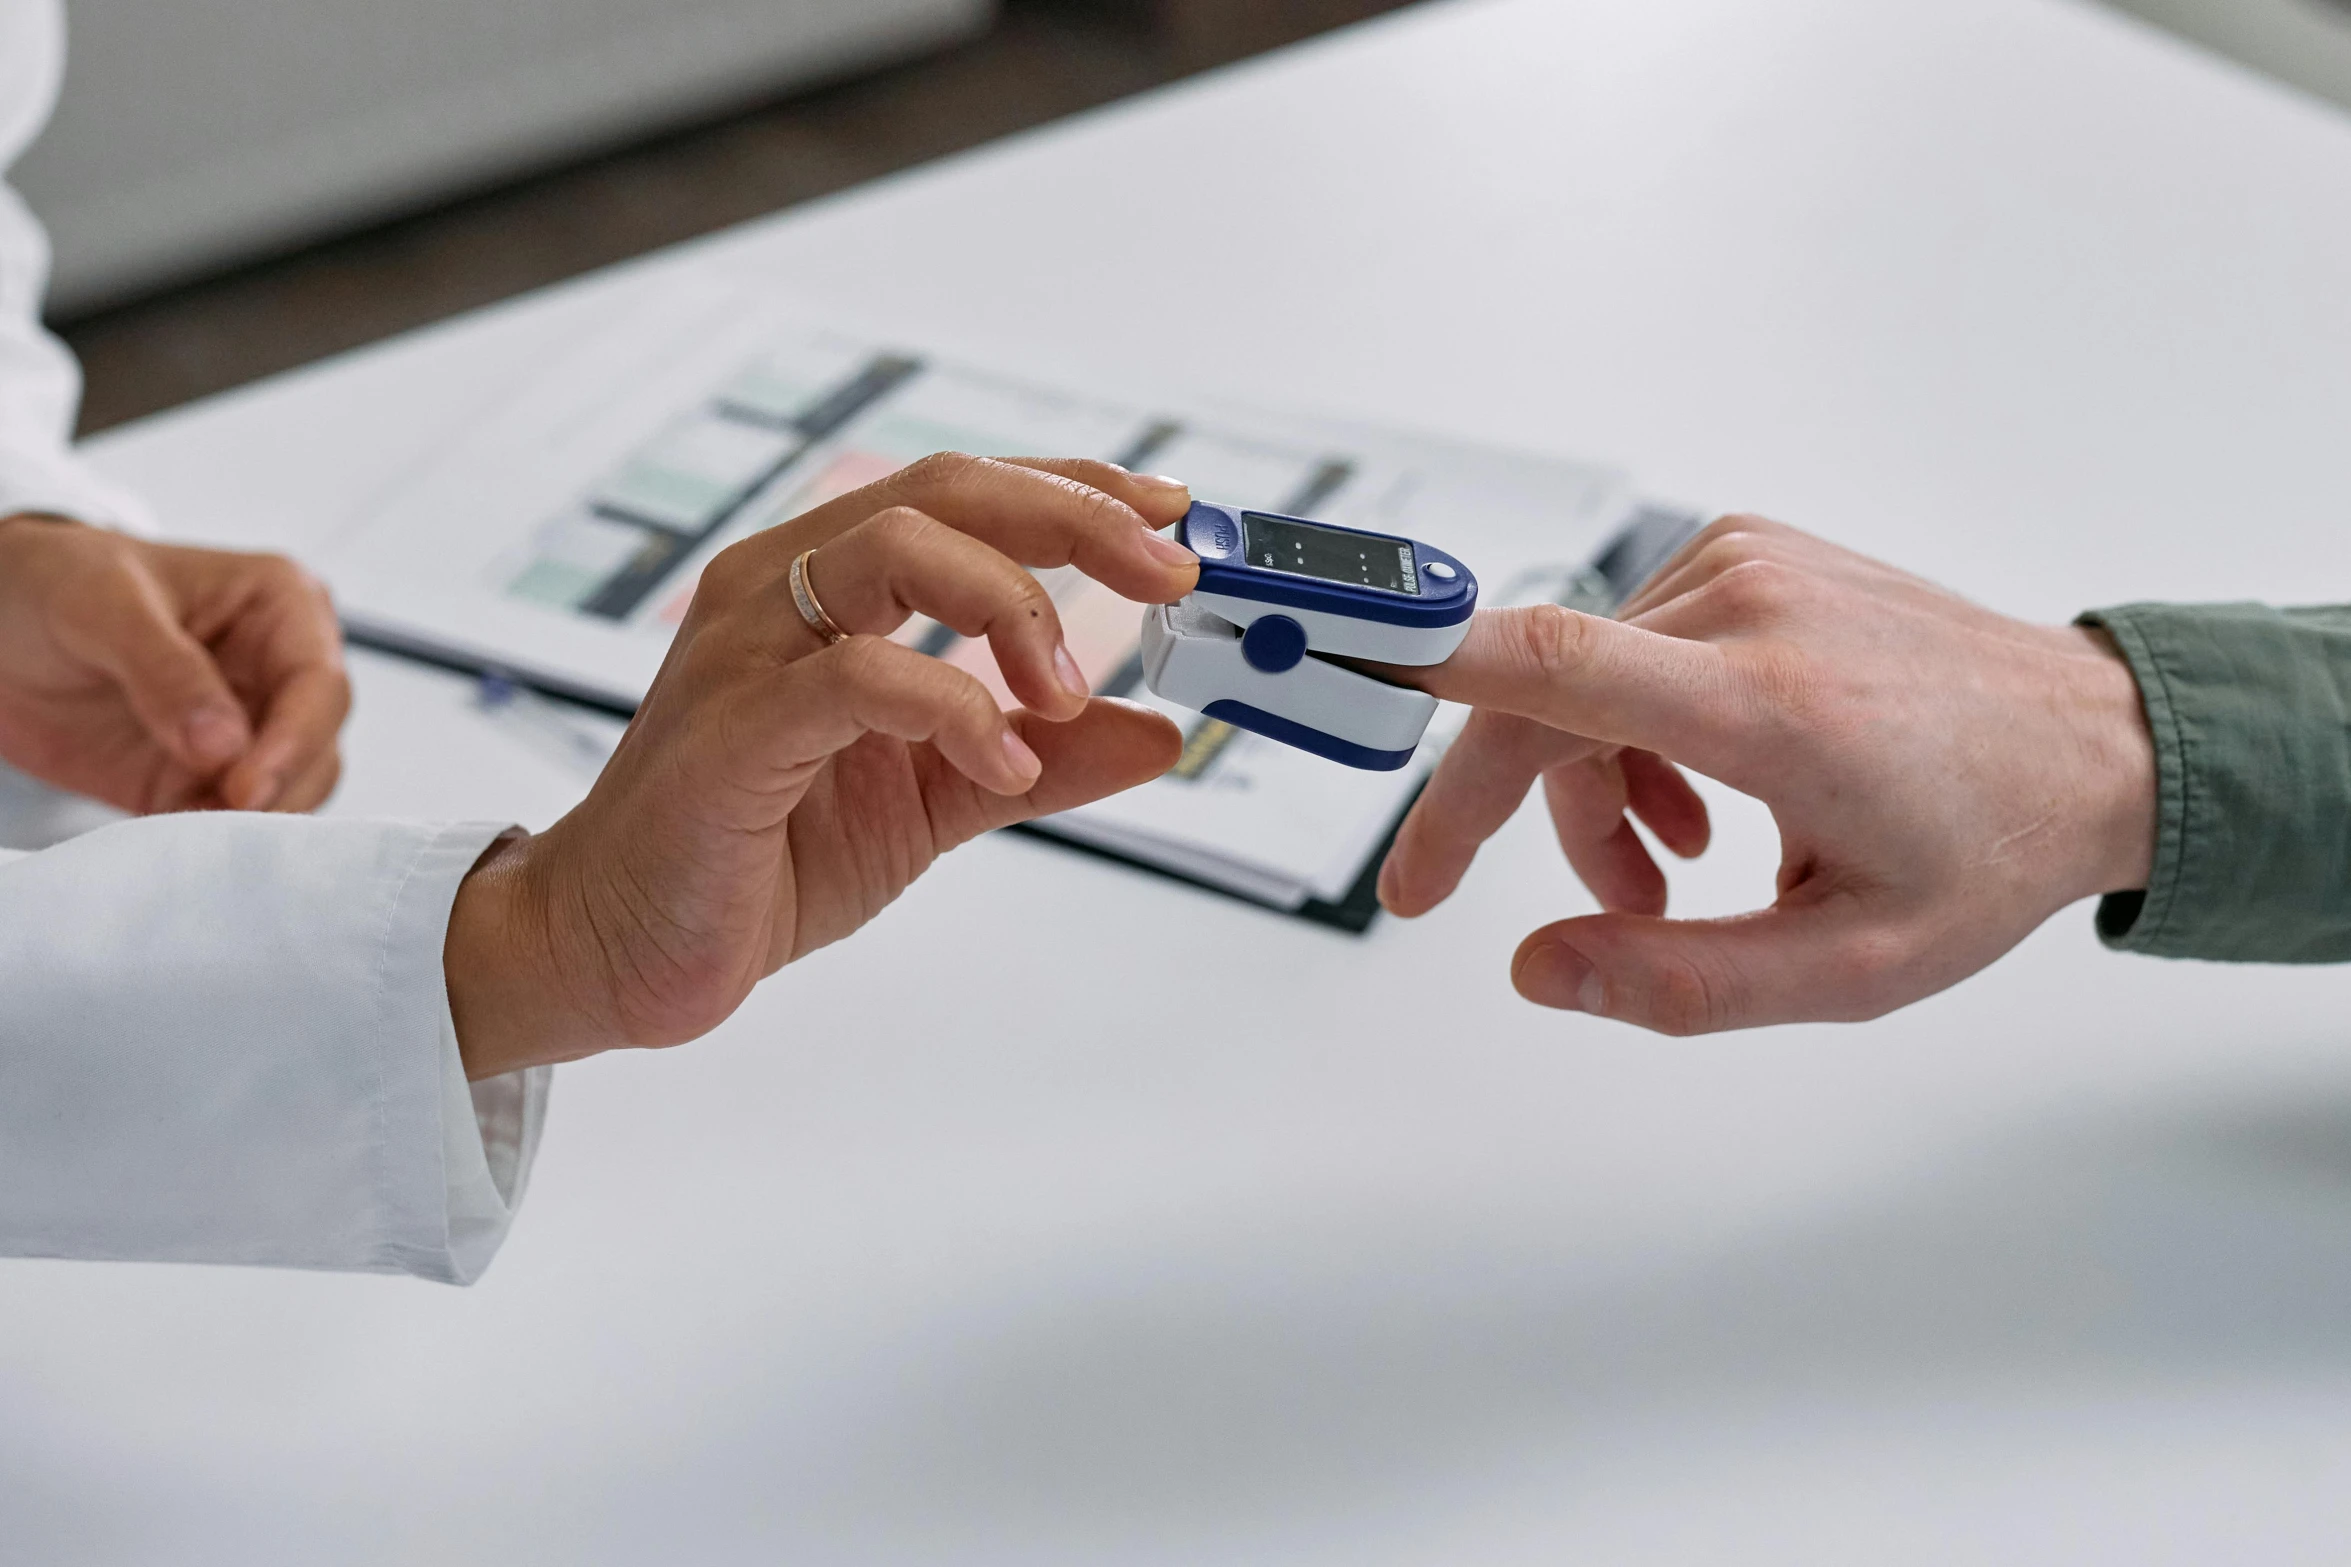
{"x":1276,"y":592}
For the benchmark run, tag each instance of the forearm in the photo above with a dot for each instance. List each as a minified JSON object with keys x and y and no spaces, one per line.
{"x":2251,"y":712}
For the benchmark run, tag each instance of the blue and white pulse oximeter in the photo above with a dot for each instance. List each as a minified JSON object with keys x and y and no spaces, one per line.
{"x":1277,"y":591}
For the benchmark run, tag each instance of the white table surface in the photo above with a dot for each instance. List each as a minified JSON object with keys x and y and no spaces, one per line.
{"x":996,"y":1236}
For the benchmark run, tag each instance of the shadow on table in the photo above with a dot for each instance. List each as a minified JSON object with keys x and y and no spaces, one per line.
{"x":1334,"y":1367}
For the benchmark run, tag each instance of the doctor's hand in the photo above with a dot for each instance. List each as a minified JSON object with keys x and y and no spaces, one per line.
{"x":778,"y":789}
{"x":1943,"y":778}
{"x":161,"y":678}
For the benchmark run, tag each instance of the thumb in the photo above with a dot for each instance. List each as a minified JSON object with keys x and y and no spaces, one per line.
{"x":1808,"y":962}
{"x":131,"y":632}
{"x":1110,"y":746}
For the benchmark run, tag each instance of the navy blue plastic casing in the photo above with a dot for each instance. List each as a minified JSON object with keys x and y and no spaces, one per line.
{"x":1290,"y":732}
{"x":1214,"y":534}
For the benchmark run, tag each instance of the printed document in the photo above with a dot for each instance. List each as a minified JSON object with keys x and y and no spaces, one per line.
{"x":558,"y":542}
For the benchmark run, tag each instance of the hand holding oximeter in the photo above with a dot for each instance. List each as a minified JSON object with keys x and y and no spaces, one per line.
{"x":1275,"y":592}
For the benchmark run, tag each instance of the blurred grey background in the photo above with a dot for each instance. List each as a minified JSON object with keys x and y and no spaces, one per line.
{"x":200,"y":131}
{"x":239,"y":186}
{"x":2306,"y":42}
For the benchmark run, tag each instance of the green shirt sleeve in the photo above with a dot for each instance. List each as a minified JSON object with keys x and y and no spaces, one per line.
{"x":2251,"y":711}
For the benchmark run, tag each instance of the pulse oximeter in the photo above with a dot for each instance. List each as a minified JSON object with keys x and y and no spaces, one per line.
{"x":1277,"y":597}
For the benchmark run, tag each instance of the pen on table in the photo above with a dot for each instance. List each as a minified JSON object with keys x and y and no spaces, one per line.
{"x":548,"y":727}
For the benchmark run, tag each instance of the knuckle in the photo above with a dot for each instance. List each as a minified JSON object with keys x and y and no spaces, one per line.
{"x":1755,"y":588}
{"x":280,"y":572}
{"x":1092,"y":515}
{"x":900,"y":529}
{"x":296,"y":583}
{"x":1027,"y":599}
{"x":330,"y":776}
{"x":1683,"y":1000}
{"x":1756,"y":530}
{"x":114,"y":566}
{"x":1730,"y":541}
{"x":733,"y":569}
{"x":1734,"y":550}
{"x":1786,"y":687}
{"x":728,"y":563}
{"x":939,"y":470}
{"x":1090,"y":471}
{"x":1708,"y":537}
{"x":106,"y":546}
{"x":1099,"y":509}
{"x":861,"y":662}
{"x":978,"y":706}
{"x":1552,"y":639}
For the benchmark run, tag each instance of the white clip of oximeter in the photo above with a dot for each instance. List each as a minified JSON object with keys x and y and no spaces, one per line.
{"x":1274,"y":593}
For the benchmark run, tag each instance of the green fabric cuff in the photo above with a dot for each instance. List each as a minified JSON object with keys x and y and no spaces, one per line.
{"x":2251,"y":712}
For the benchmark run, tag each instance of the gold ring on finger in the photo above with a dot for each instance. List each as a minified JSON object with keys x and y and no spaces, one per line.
{"x":804,"y":596}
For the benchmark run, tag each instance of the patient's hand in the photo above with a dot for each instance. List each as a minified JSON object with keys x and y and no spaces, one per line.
{"x":1944,"y":779}
{"x":162,"y":678}
{"x":775,"y":793}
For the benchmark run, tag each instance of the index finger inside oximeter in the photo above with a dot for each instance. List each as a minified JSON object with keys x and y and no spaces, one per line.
{"x":1275,"y":592}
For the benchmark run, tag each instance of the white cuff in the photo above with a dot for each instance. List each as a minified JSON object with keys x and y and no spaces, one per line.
{"x":489,"y":1141}
{"x":59,"y":485}
{"x":226,"y":1038}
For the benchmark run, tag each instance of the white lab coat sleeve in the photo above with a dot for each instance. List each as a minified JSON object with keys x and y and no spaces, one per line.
{"x":40,"y":385}
{"x":222,"y":1038}
{"x":226,"y":1038}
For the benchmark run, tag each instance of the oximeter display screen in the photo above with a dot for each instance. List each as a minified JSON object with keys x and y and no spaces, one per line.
{"x":1303,"y":549}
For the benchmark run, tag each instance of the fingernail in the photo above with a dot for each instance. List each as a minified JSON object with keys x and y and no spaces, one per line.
{"x":1160,"y":481}
{"x":1073,"y":679}
{"x":1555,"y":975}
{"x":1024,"y":761}
{"x":214,"y":734}
{"x":1169,"y":550}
